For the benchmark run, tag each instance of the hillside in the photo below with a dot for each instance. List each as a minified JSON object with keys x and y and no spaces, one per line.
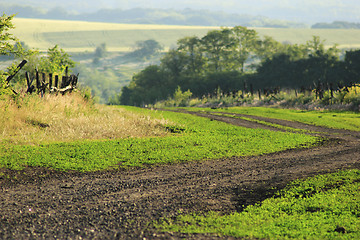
{"x":306,"y":11}
{"x":79,"y":36}
{"x":141,"y":15}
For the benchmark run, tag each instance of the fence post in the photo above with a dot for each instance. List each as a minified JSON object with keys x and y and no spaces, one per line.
{"x":50,"y":81}
{"x":18,"y":68}
{"x":30,"y":88}
{"x":56,"y":80}
{"x":37,"y":80}
{"x":63,"y":81}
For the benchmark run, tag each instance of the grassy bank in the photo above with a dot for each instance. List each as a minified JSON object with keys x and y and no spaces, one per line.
{"x":163,"y":137}
{"x":321,"y":207}
{"x":34,"y":120}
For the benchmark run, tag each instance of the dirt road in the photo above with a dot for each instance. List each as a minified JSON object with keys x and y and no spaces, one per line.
{"x":45,"y":204}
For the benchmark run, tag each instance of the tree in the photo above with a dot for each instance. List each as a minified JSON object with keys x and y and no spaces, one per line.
{"x":246,"y":41}
{"x":174,"y":63}
{"x":9,"y":45}
{"x":352,"y":65}
{"x":100,"y":51}
{"x":146,"y":49}
{"x":217,"y":46}
{"x":316,"y":48}
{"x":147,"y":87}
{"x":7,"y":40}
{"x":56,"y":61}
{"x":191,"y":47}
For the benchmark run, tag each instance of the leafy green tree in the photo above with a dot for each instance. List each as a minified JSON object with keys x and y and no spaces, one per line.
{"x":191,"y":47}
{"x":148,"y":86}
{"x":146,"y":49}
{"x":56,"y":61}
{"x":352,"y":66}
{"x":9,"y":45}
{"x":217,"y":46}
{"x":174,"y":63}
{"x":316,"y":48}
{"x":8,"y":41}
{"x":245,"y":43}
{"x":100,"y":51}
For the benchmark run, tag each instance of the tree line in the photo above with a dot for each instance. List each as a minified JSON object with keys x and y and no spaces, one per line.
{"x":233,"y":59}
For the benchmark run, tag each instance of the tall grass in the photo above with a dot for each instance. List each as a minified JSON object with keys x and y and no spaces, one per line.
{"x":30,"y":119}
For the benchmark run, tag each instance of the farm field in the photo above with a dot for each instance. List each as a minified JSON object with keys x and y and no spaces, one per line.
{"x":330,"y":119}
{"x":123,"y":187}
{"x":77,"y":36}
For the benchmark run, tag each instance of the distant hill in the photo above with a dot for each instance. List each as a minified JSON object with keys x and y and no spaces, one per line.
{"x":337,"y":25}
{"x":305,"y":11}
{"x":153,"y":16}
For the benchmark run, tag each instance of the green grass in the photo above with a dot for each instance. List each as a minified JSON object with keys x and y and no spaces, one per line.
{"x":195,"y":138}
{"x":308,"y":209}
{"x":79,"y":36}
{"x":330,"y":119}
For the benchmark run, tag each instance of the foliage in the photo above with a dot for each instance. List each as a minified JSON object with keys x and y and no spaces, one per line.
{"x":56,"y":61}
{"x":145,"y":49}
{"x":220,"y":60}
{"x":100,"y":51}
{"x":321,"y":207}
{"x":9,"y":45}
{"x":179,"y":99}
{"x":198,"y":139}
{"x":200,"y":65}
{"x":7,"y":40}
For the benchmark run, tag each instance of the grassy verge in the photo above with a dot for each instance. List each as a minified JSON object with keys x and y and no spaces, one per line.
{"x":331,"y":119}
{"x":321,"y":207}
{"x":189,"y":138}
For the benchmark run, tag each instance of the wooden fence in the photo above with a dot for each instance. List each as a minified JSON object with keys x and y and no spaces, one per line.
{"x":51,"y":83}
{"x":47,"y":82}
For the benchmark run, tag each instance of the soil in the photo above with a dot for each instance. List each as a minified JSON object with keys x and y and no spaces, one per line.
{"x":39,"y":203}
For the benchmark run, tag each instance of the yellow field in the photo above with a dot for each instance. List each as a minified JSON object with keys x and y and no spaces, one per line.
{"x":75,"y":36}
{"x":79,"y":36}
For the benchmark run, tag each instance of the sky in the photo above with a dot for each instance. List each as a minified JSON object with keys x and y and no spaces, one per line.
{"x":294,"y":10}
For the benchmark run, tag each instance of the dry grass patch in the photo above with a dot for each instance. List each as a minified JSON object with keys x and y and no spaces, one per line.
{"x":34,"y":120}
